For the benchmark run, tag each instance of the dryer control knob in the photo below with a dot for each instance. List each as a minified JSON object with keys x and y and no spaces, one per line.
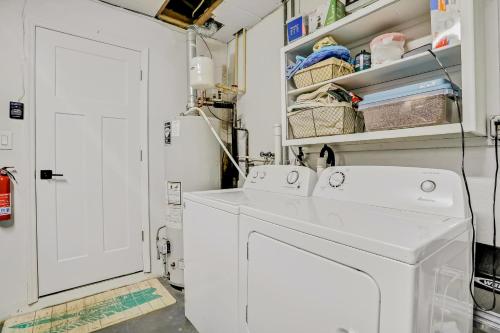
{"x":428,"y":186}
{"x":255,"y":174}
{"x":337,"y":179}
{"x":262,"y":174}
{"x":293,"y":177}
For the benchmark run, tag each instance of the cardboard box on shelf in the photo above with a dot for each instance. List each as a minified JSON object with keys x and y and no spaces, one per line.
{"x":315,"y":20}
{"x":445,"y":22}
{"x":329,"y":12}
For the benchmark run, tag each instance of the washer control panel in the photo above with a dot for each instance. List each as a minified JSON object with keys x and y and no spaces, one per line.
{"x":293,"y":177}
{"x":416,"y":189}
{"x":428,"y":186}
{"x":296,"y":180}
{"x":336,"y":179}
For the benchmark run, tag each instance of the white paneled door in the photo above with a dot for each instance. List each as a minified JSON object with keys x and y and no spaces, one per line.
{"x":88,"y":161}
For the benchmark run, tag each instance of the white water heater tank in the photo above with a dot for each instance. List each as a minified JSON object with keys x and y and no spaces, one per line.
{"x":201,"y":73}
{"x":192,"y":163}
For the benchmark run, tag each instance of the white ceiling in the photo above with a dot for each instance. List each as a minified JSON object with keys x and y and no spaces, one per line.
{"x":148,"y":7}
{"x":233,"y":14}
{"x":238,"y":14}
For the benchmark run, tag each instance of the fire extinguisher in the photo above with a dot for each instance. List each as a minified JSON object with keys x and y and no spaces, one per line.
{"x":6,"y":177}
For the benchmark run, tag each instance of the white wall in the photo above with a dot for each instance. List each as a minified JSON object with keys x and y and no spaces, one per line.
{"x":307,"y":6}
{"x":86,"y":18}
{"x":260,"y":108}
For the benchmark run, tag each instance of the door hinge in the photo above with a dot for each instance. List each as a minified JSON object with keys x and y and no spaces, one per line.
{"x":246,"y":314}
{"x":141,"y":74}
{"x":142,"y":235}
{"x":248,"y":252}
{"x":140,"y":155}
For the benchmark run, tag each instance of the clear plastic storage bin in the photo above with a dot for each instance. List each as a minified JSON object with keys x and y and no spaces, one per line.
{"x":422,"y":104}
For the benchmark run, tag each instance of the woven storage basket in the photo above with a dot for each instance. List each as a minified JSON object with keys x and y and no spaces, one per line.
{"x":322,"y":71}
{"x":340,"y":118}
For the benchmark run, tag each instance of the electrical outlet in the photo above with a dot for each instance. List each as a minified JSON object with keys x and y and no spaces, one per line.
{"x":492,"y":131}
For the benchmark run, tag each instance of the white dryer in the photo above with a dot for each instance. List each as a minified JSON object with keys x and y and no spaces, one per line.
{"x":211,"y":226}
{"x":374,"y":250}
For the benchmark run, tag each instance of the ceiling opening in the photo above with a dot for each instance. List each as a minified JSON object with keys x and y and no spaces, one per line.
{"x":183,"y":13}
{"x":227,"y":16}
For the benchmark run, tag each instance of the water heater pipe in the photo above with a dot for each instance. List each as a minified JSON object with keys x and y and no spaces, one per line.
{"x":214,"y":132}
{"x":191,"y":53}
{"x":277,"y":144}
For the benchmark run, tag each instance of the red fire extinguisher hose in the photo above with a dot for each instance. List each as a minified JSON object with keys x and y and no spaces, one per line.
{"x":6,"y":177}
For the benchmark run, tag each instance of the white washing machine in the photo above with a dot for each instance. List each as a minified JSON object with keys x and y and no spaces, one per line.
{"x":211,"y":226}
{"x":375,"y":249}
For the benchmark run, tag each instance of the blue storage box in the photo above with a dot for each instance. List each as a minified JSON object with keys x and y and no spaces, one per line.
{"x":296,"y":28}
{"x":422,"y":104}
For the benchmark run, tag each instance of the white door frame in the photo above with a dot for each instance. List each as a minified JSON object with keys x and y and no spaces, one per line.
{"x":29,"y":61}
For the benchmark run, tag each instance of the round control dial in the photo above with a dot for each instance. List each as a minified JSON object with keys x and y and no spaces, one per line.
{"x":428,"y":186}
{"x":293,"y":177}
{"x":336,"y":179}
{"x":255,"y":174}
{"x":262,"y":174}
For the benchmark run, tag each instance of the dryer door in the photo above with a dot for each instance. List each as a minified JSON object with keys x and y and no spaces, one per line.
{"x":295,"y":291}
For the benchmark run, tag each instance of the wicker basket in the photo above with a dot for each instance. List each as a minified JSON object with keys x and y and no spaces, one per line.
{"x":340,"y":118}
{"x":322,"y":71}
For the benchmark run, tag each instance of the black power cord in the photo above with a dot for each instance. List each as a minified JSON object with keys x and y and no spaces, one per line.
{"x":298,"y":158}
{"x":469,"y":202}
{"x":497,"y":167}
{"x":301,"y":156}
{"x":331,"y":155}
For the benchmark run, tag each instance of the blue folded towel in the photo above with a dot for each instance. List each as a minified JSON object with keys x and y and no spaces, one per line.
{"x":295,"y":67}
{"x":334,"y":51}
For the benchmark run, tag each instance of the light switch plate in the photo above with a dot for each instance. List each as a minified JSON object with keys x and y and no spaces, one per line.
{"x":5,"y":140}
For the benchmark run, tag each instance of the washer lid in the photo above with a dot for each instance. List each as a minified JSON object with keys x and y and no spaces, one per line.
{"x":227,"y":200}
{"x":230,"y":200}
{"x":401,"y":235}
{"x":264,"y":181}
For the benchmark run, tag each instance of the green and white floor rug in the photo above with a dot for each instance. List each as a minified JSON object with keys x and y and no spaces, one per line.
{"x":94,"y":312}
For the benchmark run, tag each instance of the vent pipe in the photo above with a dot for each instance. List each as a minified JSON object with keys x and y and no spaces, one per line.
{"x":208,"y":30}
{"x":191,"y":53}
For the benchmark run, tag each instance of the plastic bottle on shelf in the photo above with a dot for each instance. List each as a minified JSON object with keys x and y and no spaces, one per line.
{"x":362,"y":61}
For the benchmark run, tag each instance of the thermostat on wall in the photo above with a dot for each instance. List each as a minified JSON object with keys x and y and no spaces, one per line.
{"x":16,"y":110}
